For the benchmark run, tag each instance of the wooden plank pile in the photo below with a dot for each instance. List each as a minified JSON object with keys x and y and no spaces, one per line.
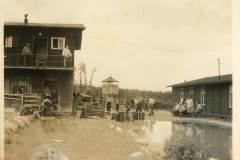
{"x":96,"y":110}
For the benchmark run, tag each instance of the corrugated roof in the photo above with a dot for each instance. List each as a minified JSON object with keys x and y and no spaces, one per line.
{"x":206,"y":81}
{"x":57,"y":25}
{"x":110,"y":79}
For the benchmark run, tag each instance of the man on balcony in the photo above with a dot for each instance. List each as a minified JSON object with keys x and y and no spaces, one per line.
{"x":66,"y":56}
{"x":26,"y":51}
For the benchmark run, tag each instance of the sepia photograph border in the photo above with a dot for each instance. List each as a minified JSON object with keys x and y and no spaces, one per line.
{"x":235,"y":72}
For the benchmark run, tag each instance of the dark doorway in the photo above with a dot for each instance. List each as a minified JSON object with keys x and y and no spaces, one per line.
{"x":54,"y":90}
{"x":40,"y":50}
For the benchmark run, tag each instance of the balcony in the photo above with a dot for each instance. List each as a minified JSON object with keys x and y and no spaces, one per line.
{"x":37,"y":61}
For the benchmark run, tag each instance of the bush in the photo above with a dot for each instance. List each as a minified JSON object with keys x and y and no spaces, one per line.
{"x":183,"y":148}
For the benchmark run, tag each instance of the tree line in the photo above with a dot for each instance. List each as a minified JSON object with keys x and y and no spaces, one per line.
{"x":159,"y":96}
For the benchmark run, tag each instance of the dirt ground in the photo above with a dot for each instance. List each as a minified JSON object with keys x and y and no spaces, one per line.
{"x":67,"y":138}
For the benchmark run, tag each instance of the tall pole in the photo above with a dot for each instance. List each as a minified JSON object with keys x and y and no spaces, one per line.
{"x":219,"y":73}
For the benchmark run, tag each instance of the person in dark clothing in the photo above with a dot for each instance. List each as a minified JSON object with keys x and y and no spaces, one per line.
{"x":76,"y":96}
{"x":117,"y":105}
{"x":20,"y":89}
{"x":109,"y":105}
{"x":132,"y":103}
{"x":54,"y":98}
{"x":128,"y":105}
{"x":145,"y":102}
{"x":139,"y":107}
{"x":46,"y":107}
{"x":47,"y":92}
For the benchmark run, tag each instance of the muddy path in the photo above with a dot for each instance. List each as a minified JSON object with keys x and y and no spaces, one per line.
{"x":68,"y":138}
{"x":73,"y":139}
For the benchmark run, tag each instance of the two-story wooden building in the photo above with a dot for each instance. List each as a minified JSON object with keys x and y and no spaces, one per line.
{"x":43,"y":66}
{"x":215,"y":93}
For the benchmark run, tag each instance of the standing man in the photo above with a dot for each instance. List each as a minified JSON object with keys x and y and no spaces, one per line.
{"x":66,"y":56}
{"x":117,"y":104}
{"x":199,"y":109}
{"x":151,"y":106}
{"x":189,"y":103}
{"x":76,"y":96}
{"x":109,"y":104}
{"x":139,"y":106}
{"x":47,"y":92}
{"x":25,"y":52}
{"x":127,"y":104}
{"x":146,"y":104}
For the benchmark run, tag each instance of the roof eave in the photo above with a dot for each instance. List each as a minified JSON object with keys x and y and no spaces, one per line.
{"x":46,"y":25}
{"x":199,"y":84}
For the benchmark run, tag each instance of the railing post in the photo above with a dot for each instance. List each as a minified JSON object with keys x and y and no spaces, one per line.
{"x":22,"y":101}
{"x":17,"y":59}
{"x":24,"y":60}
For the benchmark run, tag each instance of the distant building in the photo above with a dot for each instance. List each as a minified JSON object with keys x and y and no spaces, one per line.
{"x":109,"y":87}
{"x":215,"y":93}
{"x":42,"y":67}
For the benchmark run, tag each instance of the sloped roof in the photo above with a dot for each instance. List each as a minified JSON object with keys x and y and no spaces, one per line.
{"x":54,"y":25}
{"x":110,"y":79}
{"x":206,"y":81}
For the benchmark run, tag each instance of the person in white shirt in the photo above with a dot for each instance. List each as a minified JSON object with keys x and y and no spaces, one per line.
{"x":199,"y":109}
{"x":27,"y":50}
{"x":151,"y":106}
{"x":189,"y":104}
{"x":66,"y":56}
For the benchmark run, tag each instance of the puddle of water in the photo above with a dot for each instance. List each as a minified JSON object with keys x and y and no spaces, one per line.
{"x":153,"y":136}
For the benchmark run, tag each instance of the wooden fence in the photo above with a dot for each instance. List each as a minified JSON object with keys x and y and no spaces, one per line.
{"x":19,"y":101}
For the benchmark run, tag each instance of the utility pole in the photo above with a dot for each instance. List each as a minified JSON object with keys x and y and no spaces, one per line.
{"x":219,"y":73}
{"x":90,"y":81}
{"x":82,"y":76}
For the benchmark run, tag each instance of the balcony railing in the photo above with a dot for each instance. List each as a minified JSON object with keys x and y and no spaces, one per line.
{"x":37,"y":60}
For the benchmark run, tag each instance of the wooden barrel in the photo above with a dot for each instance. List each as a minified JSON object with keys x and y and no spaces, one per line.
{"x":116,"y":116}
{"x":131,"y":116}
{"x":136,"y":116}
{"x":113,"y":116}
{"x":141,"y":115}
{"x":121,"y":116}
{"x":126,"y":116}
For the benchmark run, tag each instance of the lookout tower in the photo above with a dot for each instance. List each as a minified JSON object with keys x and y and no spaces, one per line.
{"x":109,"y":87}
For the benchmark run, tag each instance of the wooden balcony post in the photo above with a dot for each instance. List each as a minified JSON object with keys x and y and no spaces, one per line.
{"x":17,"y":59}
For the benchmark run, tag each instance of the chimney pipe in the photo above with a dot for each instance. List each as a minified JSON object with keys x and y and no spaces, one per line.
{"x":219,"y":73}
{"x":25,"y":19}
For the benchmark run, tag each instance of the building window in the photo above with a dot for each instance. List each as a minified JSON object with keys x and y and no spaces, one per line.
{"x":22,"y":86}
{"x":191,"y":94}
{"x":230,"y":96}
{"x":57,"y":42}
{"x":8,"y":43}
{"x":181,"y":96}
{"x":27,"y":86}
{"x":203,"y":97}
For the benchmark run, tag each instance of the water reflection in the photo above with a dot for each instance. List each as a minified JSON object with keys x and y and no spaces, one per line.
{"x":217,"y":140}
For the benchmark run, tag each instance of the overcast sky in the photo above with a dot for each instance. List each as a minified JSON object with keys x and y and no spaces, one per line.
{"x":143,"y":44}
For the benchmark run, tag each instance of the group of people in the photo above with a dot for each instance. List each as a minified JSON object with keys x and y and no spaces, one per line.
{"x":187,"y":108}
{"x":146,"y":104}
{"x":66,"y":53}
{"x":138,"y":103}
{"x":49,"y":102}
{"x":110,"y":102}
